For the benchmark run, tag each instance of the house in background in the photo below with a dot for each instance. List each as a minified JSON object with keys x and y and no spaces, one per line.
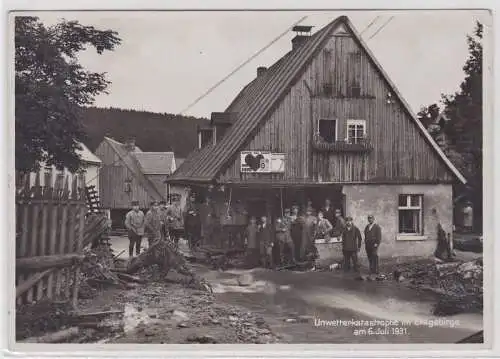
{"x":129,"y":174}
{"x":87,"y":176}
{"x":325,"y":121}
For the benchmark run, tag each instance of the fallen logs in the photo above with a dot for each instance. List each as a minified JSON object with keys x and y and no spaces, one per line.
{"x":40,"y":263}
{"x":57,"y":337}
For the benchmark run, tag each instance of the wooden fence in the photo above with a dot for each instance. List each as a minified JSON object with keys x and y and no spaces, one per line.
{"x":50,"y":232}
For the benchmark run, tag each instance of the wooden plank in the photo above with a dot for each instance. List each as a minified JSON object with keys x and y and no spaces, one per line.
{"x":42,"y":243}
{"x":62,"y":235}
{"x":52,"y":243}
{"x":24,"y":239}
{"x":32,"y":280}
{"x":79,"y":249}
{"x":38,"y":263}
{"x":34,"y":235}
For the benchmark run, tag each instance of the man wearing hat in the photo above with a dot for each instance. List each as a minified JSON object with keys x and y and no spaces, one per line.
{"x":192,"y":222}
{"x":164,"y":219}
{"x":134,"y":222}
{"x":373,"y":237}
{"x":351,"y":244}
{"x":153,"y":223}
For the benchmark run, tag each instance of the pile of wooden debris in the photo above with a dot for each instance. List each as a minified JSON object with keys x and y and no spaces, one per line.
{"x":458,"y":284}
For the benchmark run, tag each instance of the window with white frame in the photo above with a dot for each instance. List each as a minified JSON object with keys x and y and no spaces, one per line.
{"x":356,"y":131}
{"x":410,"y":213}
{"x":327,"y":129}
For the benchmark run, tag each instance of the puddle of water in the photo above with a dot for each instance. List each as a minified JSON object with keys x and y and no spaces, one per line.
{"x":231,"y":286}
{"x":133,"y":317}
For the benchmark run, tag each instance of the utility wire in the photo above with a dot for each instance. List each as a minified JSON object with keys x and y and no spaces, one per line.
{"x":381,"y":27}
{"x":240,"y":66}
{"x":370,"y":25}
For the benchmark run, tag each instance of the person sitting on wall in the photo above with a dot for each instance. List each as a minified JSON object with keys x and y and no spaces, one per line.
{"x":265,"y":240}
{"x":134,"y":223}
{"x":323,"y":228}
{"x":153,"y":223}
{"x":338,"y":224}
{"x":351,"y":244}
{"x":252,"y":247}
{"x":329,"y":211}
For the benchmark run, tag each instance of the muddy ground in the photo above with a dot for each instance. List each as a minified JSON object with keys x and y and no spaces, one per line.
{"x":273,"y":307}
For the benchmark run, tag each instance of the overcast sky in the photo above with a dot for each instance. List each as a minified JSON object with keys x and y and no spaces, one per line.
{"x":168,"y":59}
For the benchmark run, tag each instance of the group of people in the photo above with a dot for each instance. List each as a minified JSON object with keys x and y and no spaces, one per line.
{"x":294,"y":234}
{"x":161,"y":222}
{"x":289,"y":240}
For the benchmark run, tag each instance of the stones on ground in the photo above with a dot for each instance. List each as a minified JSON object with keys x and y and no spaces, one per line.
{"x":233,"y":318}
{"x":291,"y":320}
{"x":179,"y":316}
{"x":215,"y":321}
{"x":182,"y":325}
{"x":201,"y":338}
{"x":245,"y":280}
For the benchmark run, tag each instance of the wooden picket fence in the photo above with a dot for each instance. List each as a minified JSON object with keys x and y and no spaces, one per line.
{"x":50,"y":231}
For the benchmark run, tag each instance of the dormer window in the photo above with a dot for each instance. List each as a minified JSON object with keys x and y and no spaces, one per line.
{"x":205,"y":137}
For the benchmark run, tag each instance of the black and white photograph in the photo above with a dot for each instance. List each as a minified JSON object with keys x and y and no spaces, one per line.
{"x":249,"y":177}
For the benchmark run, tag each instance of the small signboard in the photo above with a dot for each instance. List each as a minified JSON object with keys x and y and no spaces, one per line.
{"x":262,"y":162}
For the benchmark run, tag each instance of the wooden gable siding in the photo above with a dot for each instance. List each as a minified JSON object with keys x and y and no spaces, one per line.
{"x":112,"y":178}
{"x":400,"y":154}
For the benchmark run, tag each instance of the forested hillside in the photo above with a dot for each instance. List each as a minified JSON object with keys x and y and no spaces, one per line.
{"x":155,"y":132}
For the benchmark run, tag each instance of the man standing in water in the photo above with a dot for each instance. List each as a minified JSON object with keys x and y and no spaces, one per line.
{"x":351,"y":244}
{"x":134,"y":223}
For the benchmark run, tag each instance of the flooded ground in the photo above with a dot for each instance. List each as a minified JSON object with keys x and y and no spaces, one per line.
{"x":298,"y":307}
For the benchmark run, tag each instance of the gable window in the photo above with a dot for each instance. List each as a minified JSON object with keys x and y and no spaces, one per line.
{"x":356,"y":131}
{"x":410,"y":214}
{"x":327,"y":129}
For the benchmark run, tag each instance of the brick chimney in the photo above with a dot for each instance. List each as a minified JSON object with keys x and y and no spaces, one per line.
{"x":130,"y":145}
{"x":261,"y":70}
{"x":303,"y":34}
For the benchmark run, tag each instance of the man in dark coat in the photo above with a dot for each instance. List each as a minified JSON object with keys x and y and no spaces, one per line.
{"x":329,"y":211}
{"x":192,"y":223}
{"x":351,"y":244}
{"x":373,"y":237}
{"x":265,"y":239}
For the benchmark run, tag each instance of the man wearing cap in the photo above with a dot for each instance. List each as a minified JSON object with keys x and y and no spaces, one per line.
{"x":153,"y":223}
{"x":164,"y":219}
{"x":134,"y":223}
{"x":192,"y":222}
{"x":351,"y":244}
{"x":174,"y":213}
{"x":373,"y":237}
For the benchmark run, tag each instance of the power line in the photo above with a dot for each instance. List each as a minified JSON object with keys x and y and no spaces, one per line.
{"x":240,"y":66}
{"x":369,"y":25}
{"x":381,"y":27}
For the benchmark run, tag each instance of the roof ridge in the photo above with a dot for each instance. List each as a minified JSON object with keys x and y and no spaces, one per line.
{"x":209,"y":162}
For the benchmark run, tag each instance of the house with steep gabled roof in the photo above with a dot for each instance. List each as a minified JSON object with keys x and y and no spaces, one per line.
{"x":129,"y":174}
{"x":326,"y":121}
